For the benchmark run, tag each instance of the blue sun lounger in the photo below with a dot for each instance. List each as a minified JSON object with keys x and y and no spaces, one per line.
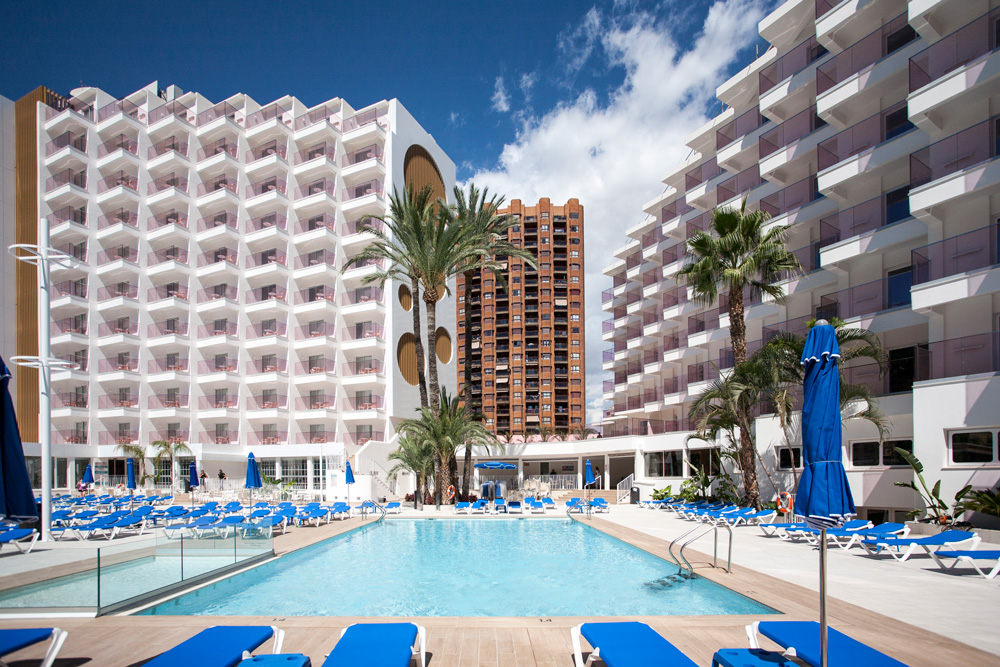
{"x":800,"y":639}
{"x":18,"y":536}
{"x":948,"y":540}
{"x":626,"y":644}
{"x":969,"y":558}
{"x":379,"y":645}
{"x":219,"y":646}
{"x":15,"y":640}
{"x":462,"y":507}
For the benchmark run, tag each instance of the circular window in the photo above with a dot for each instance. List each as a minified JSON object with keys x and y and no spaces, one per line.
{"x":406,"y":358}
{"x":443,"y":345}
{"x":405,"y":297}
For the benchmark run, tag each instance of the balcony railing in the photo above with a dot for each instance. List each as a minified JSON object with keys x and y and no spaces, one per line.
{"x":270,"y":112}
{"x":316,"y":330}
{"x":739,"y":184}
{"x":118,"y":438}
{"x":108,"y":402}
{"x":362,"y":438}
{"x":230,"y":292}
{"x":738,"y":128}
{"x":268,"y":221}
{"x":224,"y":183}
{"x":266,"y":186}
{"x":956,"y":50}
{"x":167,"y":292}
{"x":220,"y":366}
{"x":218,"y":255}
{"x":675,"y":209}
{"x":72,"y":139}
{"x":863,"y":218}
{"x":373,"y":187}
{"x":167,"y":365}
{"x":271,"y":293}
{"x":220,"y":147}
{"x":262,"y":329}
{"x":824,"y":7}
{"x":324,"y":221}
{"x":169,"y":328}
{"x":268,"y":366}
{"x":221,"y":219}
{"x":119,"y":217}
{"x":230,"y":438}
{"x":172,"y":108}
{"x":313,"y":152}
{"x":267,"y":150}
{"x":370,"y":367}
{"x":793,"y":129}
{"x":70,"y":399}
{"x":218,"y":329}
{"x":362,"y":331}
{"x":379,"y":116}
{"x":316,"y":258}
{"x":170,"y":144}
{"x":267,"y":438}
{"x":118,"y":143}
{"x":223,"y":402}
{"x":124,"y":290}
{"x":79,"y":358}
{"x":130,"y":109}
{"x":220,"y":110}
{"x":171,"y":254}
{"x":356,"y":226}
{"x":315,"y":437}
{"x":888,"y":39}
{"x":652,"y":238}
{"x":867,"y":298}
{"x":971,"y":251}
{"x":315,"y":294}
{"x":372,"y":152}
{"x":267,"y":257}
{"x":793,"y":197}
{"x":323,"y":185}
{"x":796,"y":60}
{"x":703,"y":173}
{"x":70,"y":288}
{"x":116,"y":365}
{"x":316,"y":402}
{"x":863,"y":136}
{"x":955,"y":357}
{"x":167,"y":401}
{"x":164,"y":183}
{"x":171,"y":217}
{"x":68,"y":214}
{"x":362,"y":295}
{"x":363,"y":403}
{"x":704,"y":322}
{"x":675,"y":297}
{"x":267,"y":402}
{"x":705,"y":371}
{"x":979,"y":143}
{"x":70,"y":437}
{"x":316,"y":366}
{"x":119,"y":253}
{"x":317,"y":115}
{"x":67,"y":176}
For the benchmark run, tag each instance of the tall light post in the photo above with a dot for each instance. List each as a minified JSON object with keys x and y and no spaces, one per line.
{"x":42,"y":256}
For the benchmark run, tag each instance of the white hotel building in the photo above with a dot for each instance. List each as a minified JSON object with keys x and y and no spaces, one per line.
{"x":210,"y":304}
{"x":871,"y":129}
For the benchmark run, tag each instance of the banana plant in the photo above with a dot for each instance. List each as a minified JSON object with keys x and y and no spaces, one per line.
{"x":937,"y":509}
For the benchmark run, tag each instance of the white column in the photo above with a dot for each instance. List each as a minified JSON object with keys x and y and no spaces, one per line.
{"x":45,"y":394}
{"x":309,"y":473}
{"x":520,"y":474}
{"x":579,"y":472}
{"x":606,"y":482}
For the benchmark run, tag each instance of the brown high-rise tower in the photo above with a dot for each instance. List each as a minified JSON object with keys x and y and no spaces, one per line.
{"x":528,"y":342}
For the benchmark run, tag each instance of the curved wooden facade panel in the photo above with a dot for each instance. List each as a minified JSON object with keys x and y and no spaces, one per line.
{"x":419,"y":170}
{"x":406,"y":358}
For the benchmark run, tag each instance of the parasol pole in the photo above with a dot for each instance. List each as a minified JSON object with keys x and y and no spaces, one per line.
{"x":822,"y":598}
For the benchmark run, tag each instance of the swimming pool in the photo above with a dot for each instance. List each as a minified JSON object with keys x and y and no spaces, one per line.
{"x":461,"y":567}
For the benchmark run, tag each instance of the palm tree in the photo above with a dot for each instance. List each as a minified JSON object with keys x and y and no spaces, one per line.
{"x":444,"y":429}
{"x":416,"y":457}
{"x":738,"y":255}
{"x":402,"y":246}
{"x":168,"y":450}
{"x":138,"y":453}
{"x":482,"y":218}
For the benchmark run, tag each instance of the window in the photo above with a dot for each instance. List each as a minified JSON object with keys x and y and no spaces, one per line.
{"x":898,"y":285}
{"x":574,"y":355}
{"x":899,"y":39}
{"x":664,"y":464}
{"x":517,"y":394}
{"x":897,"y":205}
{"x":897,"y":122}
{"x":973,"y":447}
{"x":574,"y":369}
{"x":871,"y":454}
{"x":517,"y":420}
{"x":903,"y":367}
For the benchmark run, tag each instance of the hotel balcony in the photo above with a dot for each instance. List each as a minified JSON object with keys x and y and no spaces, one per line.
{"x":956,"y":269}
{"x":220,"y":226}
{"x":171,"y":152}
{"x":121,"y":114}
{"x":957,"y":358}
{"x":840,"y":24}
{"x":363,"y":336}
{"x":355,"y":231}
{"x":361,"y":408}
{"x":258,"y":438}
{"x":315,"y":335}
{"x":170,"y":297}
{"x":118,"y":262}
{"x":266,"y":406}
{"x":216,"y":438}
{"x":172,"y":331}
{"x":72,"y":375}
{"x":68,"y":113}
{"x":118,"y":297}
{"x":946,"y":173}
{"x":167,"y":405}
{"x":172,"y":368}
{"x":266,"y":300}
{"x":272,"y":121}
{"x":69,"y":437}
{"x":849,"y":160}
{"x":268,"y":370}
{"x":362,"y":300}
{"x":272,"y":192}
{"x":359,"y":439}
{"x":366,"y":127}
{"x":68,"y":222}
{"x":70,"y":404}
{"x":319,"y":159}
{"x":121,"y":225}
{"x":268,"y":155}
{"x":364,"y":373}
{"x":788,"y":85}
{"x":267,"y":264}
{"x":318,"y":263}
{"x":736,"y":141}
{"x":171,"y":117}
{"x":874,"y":67}
{"x":354,"y":273}
{"x":746,"y":184}
{"x":217,"y":370}
{"x":66,"y":188}
{"x":700,"y":184}
{"x":364,"y":198}
{"x":118,"y":405}
{"x":171,"y":223}
{"x":168,"y":190}
{"x":786,"y":151}
{"x":168,"y":261}
{"x":796,"y":205}
{"x":676,"y":305}
{"x":171,"y":436}
{"x":315,"y":232}
{"x":880,"y":305}
{"x":118,"y":437}
{"x":267,"y":335}
{"x":218,"y":190}
{"x":222,"y":117}
{"x":704,"y":328}
{"x":316,"y":196}
{"x":316,"y":405}
{"x":118,"y":152}
{"x":319,"y":300}
{"x":218,"y":262}
{"x":363,"y":163}
{"x":118,"y":369}
{"x":69,"y":293}
{"x":742,"y":88}
{"x":323,"y":121}
{"x":66,"y":150}
{"x":218,"y":154}
{"x":315,"y":370}
{"x":315,"y":437}
{"x":266,"y":228}
{"x":222,"y":333}
{"x":952,"y":80}
{"x":218,"y":406}
{"x":872,"y":226}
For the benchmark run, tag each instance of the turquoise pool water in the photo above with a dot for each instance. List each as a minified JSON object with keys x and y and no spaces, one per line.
{"x":459,"y":567}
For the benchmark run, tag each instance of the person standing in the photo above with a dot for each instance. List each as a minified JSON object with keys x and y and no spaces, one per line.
{"x":222,"y":478}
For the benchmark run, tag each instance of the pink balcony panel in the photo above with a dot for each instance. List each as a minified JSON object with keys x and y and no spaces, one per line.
{"x":169,"y":145}
{"x":863,"y":136}
{"x":362,"y":331}
{"x":108,"y":402}
{"x":221,"y":219}
{"x":791,"y":198}
{"x":316,"y":258}
{"x":167,"y":365}
{"x":863,"y":53}
{"x":124,"y":253}
{"x":318,"y":330}
{"x":315,"y":438}
{"x":703,"y":173}
{"x":70,"y":437}
{"x":118,"y":438}
{"x":956,"y":50}
{"x":167,"y":218}
{"x":230,"y":438}
{"x":220,"y":147}
{"x":789,"y":132}
{"x":120,"y":217}
{"x":267,"y":438}
{"x":267,"y":257}
{"x":70,"y":399}
{"x":67,"y":176}
{"x":218,"y":255}
{"x":979,"y":143}
{"x":117,"y":365}
{"x":740,"y":184}
{"x":227,"y":402}
{"x":270,"y":112}
{"x":220,"y":110}
{"x":378,"y":116}
{"x":172,"y":108}
{"x":118,"y":329}
{"x":739,"y":127}
{"x":130,"y":109}
{"x":262,"y":329}
{"x":167,"y":182}
{"x":167,"y":401}
{"x":118,"y":143}
{"x":266,"y":186}
{"x":316,"y":366}
{"x":166,"y":292}
{"x":315,"y":294}
{"x":271,"y":220}
{"x":267,"y":150}
{"x":215,"y":185}
{"x":367,"y":403}
{"x":262,"y":294}
{"x":321,"y":150}
{"x":674,"y":209}
{"x":123,"y":290}
{"x":971,"y":251}
{"x":373,"y":152}
{"x":317,"y":402}
{"x":171,"y":436}
{"x":362,"y":295}
{"x":318,"y":115}
{"x":329,"y":186}
{"x":373,"y":187}
{"x":371,"y":367}
{"x":70,"y":288}
{"x":267,"y":402}
{"x":792,"y":62}
{"x":219,"y":366}
{"x":68,"y":214}
{"x":72,"y":139}
{"x":271,"y":366}
{"x":171,"y":254}
{"x":218,"y":329}
{"x":167,"y":329}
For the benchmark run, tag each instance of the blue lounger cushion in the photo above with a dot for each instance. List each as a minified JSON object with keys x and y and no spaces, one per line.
{"x":13,"y":640}
{"x":218,"y":646}
{"x":630,"y":644}
{"x":803,"y":636}
{"x":375,"y":645}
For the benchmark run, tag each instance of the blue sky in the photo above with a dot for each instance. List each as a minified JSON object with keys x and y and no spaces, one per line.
{"x":557,"y":99}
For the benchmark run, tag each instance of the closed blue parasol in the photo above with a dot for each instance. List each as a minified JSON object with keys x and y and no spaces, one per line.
{"x":16,"y":496}
{"x":590,"y":474}
{"x":496,"y":465}
{"x":348,"y":479}
{"x":88,"y":475}
{"x":130,"y":475}
{"x":823,"y":495}
{"x":192,"y":475}
{"x":253,"y":476}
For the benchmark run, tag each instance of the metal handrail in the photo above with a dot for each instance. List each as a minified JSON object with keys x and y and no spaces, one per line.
{"x":715,"y":553}
{"x":670,"y":549}
{"x":371,"y":503}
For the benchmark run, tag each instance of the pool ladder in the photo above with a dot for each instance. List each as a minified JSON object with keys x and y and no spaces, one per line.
{"x":694,"y":534}
{"x":376,"y":508}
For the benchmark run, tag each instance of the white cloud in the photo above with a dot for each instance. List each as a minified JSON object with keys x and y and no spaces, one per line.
{"x":500,"y":99}
{"x":455,"y":120}
{"x":611,"y":155}
{"x":527,"y":82}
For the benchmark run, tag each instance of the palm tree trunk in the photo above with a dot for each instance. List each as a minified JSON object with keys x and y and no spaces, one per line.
{"x":467,"y":469}
{"x":430,"y":301}
{"x":418,"y":345}
{"x":748,"y":448}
